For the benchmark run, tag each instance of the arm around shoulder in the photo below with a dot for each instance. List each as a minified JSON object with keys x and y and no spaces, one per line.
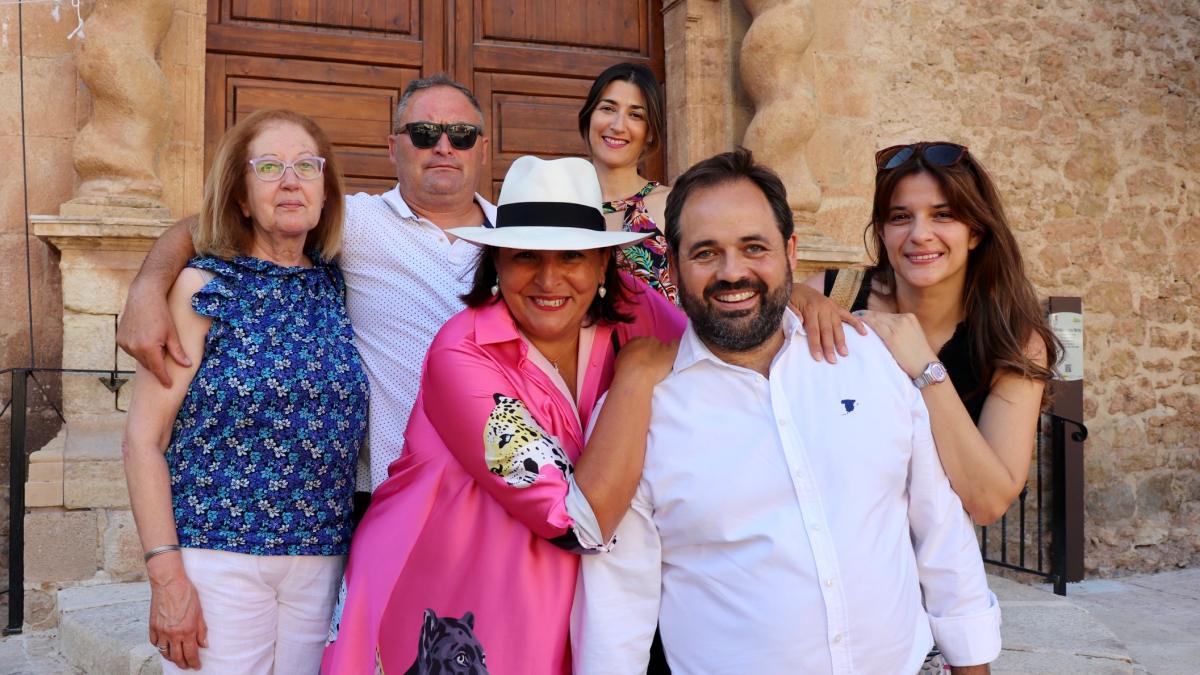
{"x":146,"y":329}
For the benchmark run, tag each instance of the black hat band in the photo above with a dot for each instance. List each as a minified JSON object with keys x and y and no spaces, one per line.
{"x":550,"y":214}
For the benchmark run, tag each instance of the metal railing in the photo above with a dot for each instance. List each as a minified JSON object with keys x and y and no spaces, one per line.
{"x":1055,"y":549}
{"x":1042,"y":545}
{"x":18,"y":465}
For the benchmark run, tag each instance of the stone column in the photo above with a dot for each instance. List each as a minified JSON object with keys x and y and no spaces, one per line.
{"x":103,"y":232}
{"x":701,"y":105}
{"x":117,"y":152}
{"x":785,"y":116}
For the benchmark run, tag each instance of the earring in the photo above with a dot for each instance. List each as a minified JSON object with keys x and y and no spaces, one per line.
{"x":602,"y":291}
{"x":496,"y":286}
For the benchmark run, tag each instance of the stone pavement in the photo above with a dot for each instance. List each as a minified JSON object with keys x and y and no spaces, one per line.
{"x":1137,"y":625}
{"x":1157,"y":616}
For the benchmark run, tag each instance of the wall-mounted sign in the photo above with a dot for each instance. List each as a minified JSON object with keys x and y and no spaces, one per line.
{"x":1068,"y":326}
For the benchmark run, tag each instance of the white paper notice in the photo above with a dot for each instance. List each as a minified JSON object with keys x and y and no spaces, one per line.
{"x":1068,"y":326}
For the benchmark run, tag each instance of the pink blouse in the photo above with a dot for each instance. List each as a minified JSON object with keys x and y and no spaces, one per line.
{"x":468,"y":548}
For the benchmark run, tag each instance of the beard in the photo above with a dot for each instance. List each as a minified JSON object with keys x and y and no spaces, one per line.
{"x":740,"y":330}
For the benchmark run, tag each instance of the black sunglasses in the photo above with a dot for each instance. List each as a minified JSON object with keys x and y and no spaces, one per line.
{"x":425,"y":135}
{"x":936,"y":154}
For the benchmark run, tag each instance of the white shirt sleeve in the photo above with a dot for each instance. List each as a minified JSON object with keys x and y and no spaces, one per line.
{"x":586,"y":527}
{"x":964,"y":615}
{"x":617,"y":598}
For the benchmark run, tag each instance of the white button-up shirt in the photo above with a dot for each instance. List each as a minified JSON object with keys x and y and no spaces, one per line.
{"x":403,"y":281}
{"x":788,"y":525}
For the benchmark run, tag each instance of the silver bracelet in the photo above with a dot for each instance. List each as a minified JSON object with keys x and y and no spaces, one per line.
{"x":159,"y":549}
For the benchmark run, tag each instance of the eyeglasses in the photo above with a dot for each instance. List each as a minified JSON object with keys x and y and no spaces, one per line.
{"x":271,"y":169}
{"x":425,"y":135}
{"x":936,"y":154}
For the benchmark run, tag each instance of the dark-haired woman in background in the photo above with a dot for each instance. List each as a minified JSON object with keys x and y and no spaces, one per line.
{"x":621,"y":121}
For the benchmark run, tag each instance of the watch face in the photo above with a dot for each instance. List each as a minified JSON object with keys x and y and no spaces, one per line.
{"x":937,"y":372}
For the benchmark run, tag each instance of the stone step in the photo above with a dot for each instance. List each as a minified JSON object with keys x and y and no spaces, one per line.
{"x":1047,"y":633}
{"x":102,"y":629}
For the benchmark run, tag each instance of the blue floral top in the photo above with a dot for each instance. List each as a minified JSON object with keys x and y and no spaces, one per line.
{"x":264,"y":448}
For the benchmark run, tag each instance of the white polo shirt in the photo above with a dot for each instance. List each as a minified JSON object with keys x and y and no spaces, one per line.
{"x":799,"y":523}
{"x":404,"y":279}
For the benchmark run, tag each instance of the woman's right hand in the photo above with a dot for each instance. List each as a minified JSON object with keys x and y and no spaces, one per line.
{"x":646,"y":357}
{"x":176,"y":620}
{"x":823,"y":320}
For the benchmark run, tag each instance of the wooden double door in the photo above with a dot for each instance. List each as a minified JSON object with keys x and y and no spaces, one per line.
{"x":346,"y":62}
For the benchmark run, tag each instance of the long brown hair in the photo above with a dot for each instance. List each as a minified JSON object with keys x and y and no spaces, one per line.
{"x":999,"y":304}
{"x":222,"y":230}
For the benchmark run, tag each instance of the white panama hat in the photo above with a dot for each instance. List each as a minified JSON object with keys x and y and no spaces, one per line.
{"x":549,"y":205}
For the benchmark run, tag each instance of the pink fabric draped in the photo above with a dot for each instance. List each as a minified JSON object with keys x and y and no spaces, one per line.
{"x":448,"y":532}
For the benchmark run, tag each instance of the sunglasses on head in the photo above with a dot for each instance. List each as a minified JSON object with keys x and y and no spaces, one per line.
{"x":934,"y":154}
{"x":425,"y":135}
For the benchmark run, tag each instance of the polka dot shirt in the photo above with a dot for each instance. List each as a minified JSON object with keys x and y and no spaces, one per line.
{"x":403,"y":281}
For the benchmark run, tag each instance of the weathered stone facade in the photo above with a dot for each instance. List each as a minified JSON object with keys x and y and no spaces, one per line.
{"x":114,"y":128}
{"x":1088,"y":115}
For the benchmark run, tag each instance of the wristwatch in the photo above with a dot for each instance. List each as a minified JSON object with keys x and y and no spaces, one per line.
{"x":934,"y":372}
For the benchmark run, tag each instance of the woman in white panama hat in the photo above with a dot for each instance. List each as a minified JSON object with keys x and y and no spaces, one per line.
{"x":470,"y":546}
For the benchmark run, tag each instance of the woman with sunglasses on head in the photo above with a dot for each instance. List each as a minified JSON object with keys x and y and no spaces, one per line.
{"x":466,"y":560}
{"x":948,"y":295}
{"x":241,"y":470}
{"x":620,"y":122}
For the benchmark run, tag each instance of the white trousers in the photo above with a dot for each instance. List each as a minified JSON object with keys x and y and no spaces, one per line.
{"x":266,"y":614}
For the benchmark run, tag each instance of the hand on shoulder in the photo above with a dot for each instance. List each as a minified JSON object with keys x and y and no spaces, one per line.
{"x":902,"y":335}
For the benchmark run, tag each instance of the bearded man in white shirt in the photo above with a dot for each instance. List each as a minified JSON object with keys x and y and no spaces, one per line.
{"x":404,"y":274}
{"x":792,"y":516}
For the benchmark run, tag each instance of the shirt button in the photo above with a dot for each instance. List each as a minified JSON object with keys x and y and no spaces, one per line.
{"x":829,"y":583}
{"x":837,"y":638}
{"x":815,"y":527}
{"x":782,"y":422}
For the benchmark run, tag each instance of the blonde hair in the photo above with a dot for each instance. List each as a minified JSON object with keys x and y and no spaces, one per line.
{"x":223,"y":230}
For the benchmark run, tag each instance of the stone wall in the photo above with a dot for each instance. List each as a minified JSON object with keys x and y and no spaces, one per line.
{"x":78,"y":527}
{"x":1088,"y":116}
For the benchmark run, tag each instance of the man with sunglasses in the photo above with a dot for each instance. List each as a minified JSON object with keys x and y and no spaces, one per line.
{"x":404,"y":275}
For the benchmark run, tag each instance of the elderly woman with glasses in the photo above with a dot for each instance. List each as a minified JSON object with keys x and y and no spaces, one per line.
{"x":947,"y":293}
{"x":241,"y":471}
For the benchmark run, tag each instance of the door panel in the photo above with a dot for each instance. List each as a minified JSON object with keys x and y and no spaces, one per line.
{"x":532,"y":62}
{"x":345,"y":63}
{"x":615,"y":25}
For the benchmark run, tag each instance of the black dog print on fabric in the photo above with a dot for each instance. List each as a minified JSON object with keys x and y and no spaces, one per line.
{"x":447,"y":646}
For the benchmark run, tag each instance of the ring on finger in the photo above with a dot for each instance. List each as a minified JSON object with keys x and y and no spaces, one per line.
{"x":163,"y":648}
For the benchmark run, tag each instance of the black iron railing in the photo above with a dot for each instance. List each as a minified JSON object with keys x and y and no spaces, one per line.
{"x":1042,"y":545}
{"x":1054,"y":548}
{"x":18,"y":458}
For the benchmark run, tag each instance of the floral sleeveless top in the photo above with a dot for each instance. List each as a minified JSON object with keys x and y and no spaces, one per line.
{"x":264,"y":448}
{"x":647,"y":259}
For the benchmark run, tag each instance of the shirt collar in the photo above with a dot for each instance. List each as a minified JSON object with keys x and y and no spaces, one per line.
{"x":402,"y":209}
{"x":692,"y":349}
{"x":495,"y":324}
